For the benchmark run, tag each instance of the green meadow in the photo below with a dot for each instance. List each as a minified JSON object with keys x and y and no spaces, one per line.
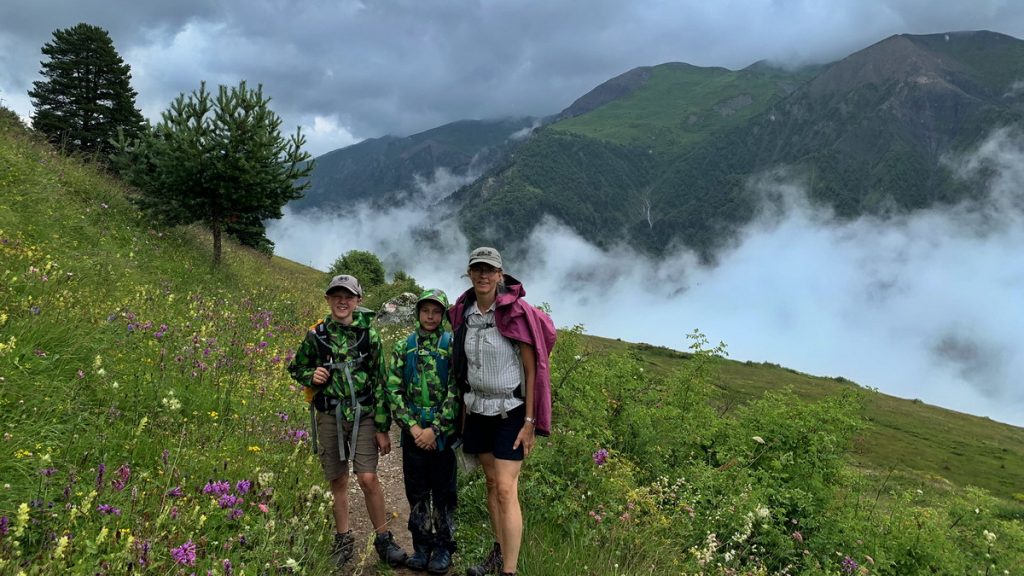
{"x":148,"y":426}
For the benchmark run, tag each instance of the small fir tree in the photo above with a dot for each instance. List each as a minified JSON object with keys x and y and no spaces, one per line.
{"x":85,"y":96}
{"x":217,"y":160}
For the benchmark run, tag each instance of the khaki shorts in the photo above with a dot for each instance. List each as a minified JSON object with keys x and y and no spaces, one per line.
{"x":330,"y":457}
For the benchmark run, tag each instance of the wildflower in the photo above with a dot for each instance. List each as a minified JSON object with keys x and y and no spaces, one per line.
{"x":124,"y":473}
{"x":47,"y":472}
{"x":174,"y":513}
{"x":990,"y":537}
{"x":99,"y":474}
{"x":102,"y":536}
{"x":143,"y":550}
{"x":229,"y":501}
{"x":164,"y":455}
{"x":798,"y":537}
{"x":848,"y":565}
{"x":263,"y":507}
{"x":228,"y":568}
{"x":22,"y":520}
{"x":4,"y":525}
{"x":600,"y":457}
{"x":282,"y":416}
{"x":291,"y":564}
{"x":243,"y":486}
{"x":80,"y":373}
{"x":235,"y":513}
{"x":35,"y":310}
{"x":217,"y":488}
{"x":255,"y":449}
{"x":62,"y":544}
{"x":185,"y":554}
{"x":758,"y":439}
{"x":175,"y":492}
{"x":213,"y":414}
{"x":108,"y":510}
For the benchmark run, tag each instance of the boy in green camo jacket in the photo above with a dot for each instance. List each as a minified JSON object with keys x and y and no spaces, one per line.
{"x":341,"y":367}
{"x":423,"y":399}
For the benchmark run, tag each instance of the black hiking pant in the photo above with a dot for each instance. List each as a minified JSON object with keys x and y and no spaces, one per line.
{"x":432,"y":491}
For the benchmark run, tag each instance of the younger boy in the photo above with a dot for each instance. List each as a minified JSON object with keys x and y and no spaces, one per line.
{"x":423,"y":399}
{"x":340,"y":364}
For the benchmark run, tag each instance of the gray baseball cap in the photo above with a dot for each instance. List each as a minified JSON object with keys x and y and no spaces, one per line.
{"x":347,"y":282}
{"x":485,"y":255}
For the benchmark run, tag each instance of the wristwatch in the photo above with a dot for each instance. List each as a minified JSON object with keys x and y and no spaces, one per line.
{"x":531,"y":420}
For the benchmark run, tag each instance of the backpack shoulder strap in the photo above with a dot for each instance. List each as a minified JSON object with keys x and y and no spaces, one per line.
{"x":410,"y":359}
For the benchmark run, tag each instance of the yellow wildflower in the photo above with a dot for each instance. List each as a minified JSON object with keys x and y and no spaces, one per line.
{"x":255,"y":449}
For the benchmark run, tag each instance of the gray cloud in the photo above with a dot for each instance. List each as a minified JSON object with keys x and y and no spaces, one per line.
{"x":923,"y":306}
{"x":347,"y":70}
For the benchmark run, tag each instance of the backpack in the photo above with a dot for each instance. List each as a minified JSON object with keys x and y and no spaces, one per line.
{"x":441,"y":358}
{"x":325,"y":356}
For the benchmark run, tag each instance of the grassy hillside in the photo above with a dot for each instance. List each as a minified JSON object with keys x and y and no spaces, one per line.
{"x":913,"y":439}
{"x":680,"y":105}
{"x":149,"y":427}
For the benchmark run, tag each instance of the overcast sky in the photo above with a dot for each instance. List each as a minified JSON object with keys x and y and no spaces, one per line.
{"x":347,"y":70}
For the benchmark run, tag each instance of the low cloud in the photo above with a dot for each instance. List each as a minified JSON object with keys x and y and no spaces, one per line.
{"x":922,"y":306}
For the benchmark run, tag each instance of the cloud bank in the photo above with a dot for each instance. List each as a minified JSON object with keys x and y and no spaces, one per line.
{"x":922,"y":306}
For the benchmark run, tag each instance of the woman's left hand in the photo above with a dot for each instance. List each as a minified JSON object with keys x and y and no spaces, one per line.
{"x":527,"y":437}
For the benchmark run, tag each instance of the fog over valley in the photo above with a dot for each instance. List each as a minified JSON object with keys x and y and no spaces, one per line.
{"x":922,"y":306}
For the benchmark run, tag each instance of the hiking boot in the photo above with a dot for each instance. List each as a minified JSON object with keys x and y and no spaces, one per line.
{"x":343,"y":548}
{"x":419,"y":559}
{"x":388,"y":551}
{"x":440,"y":561}
{"x":491,"y":565}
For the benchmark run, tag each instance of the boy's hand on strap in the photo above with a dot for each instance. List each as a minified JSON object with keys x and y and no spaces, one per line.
{"x":320,"y":376}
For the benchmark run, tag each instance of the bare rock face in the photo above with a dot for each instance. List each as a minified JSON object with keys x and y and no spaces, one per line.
{"x":398,"y":311}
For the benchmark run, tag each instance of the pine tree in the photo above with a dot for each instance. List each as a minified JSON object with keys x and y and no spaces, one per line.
{"x":86,"y":94}
{"x":217,"y":160}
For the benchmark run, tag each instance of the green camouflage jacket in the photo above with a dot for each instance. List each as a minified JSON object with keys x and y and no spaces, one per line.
{"x":369,"y":378}
{"x":428,"y":400}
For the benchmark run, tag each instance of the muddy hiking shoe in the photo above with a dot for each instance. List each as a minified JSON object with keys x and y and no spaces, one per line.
{"x":388,"y":551}
{"x":492,"y":564}
{"x":343,"y":548}
{"x":440,"y":561}
{"x":419,"y":559}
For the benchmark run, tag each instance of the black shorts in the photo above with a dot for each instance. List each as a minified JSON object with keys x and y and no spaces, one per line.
{"x":494,"y":434}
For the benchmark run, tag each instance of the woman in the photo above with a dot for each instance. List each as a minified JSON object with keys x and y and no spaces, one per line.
{"x":500,"y":362}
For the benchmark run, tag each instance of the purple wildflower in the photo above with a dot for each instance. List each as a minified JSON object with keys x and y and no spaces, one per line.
{"x":217,"y":487}
{"x":848,"y":565}
{"x":143,"y":550}
{"x":185,"y":554}
{"x":164,"y":455}
{"x":600,"y":457}
{"x":282,"y":416}
{"x":80,"y":373}
{"x":108,"y":510}
{"x":229,"y":500}
{"x":100,"y":470}
{"x":228,"y":568}
{"x":235,"y":514}
{"x":243,"y":486}
{"x":175,"y":492}
{"x":124,"y":473}
{"x":4,"y":525}
{"x":174,"y":513}
{"x":35,"y":310}
{"x":47,"y":472}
